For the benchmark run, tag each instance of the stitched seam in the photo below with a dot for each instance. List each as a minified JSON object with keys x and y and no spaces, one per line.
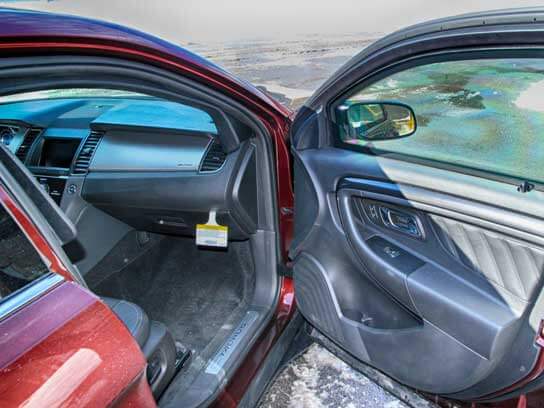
{"x":492,"y":256}
{"x":468,"y":246}
{"x":515,"y":267}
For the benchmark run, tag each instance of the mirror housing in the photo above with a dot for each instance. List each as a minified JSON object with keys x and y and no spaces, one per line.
{"x":372,"y":121}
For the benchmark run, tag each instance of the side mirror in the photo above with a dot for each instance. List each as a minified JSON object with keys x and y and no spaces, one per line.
{"x":370,"y":121}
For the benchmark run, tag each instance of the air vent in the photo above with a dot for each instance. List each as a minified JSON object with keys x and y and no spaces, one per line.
{"x":85,"y":155}
{"x":215,"y":157}
{"x":8,"y":133}
{"x":28,"y":140}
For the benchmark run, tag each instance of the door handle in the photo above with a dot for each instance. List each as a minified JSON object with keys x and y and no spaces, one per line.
{"x":400,"y":221}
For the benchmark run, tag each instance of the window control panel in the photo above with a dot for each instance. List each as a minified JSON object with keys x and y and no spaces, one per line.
{"x":394,"y":256}
{"x":394,"y":219}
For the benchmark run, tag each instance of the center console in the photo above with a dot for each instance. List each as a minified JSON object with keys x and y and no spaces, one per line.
{"x":53,"y":185}
{"x":51,"y":161}
{"x":58,"y":153}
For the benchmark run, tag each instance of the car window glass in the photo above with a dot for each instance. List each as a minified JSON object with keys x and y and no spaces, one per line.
{"x":128,"y":108}
{"x":478,"y":114}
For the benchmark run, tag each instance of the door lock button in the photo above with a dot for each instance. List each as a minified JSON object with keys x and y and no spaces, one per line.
{"x":395,"y":257}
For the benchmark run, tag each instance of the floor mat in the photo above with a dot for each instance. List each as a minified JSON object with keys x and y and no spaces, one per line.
{"x":319,"y":379}
{"x":191,"y":290}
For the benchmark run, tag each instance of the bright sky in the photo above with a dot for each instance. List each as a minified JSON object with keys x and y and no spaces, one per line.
{"x":225,"y":20}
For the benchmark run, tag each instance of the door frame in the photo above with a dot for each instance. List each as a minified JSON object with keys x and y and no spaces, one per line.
{"x":58,"y":321}
{"x":314,"y":128}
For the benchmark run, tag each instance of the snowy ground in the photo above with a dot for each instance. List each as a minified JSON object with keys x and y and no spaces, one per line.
{"x":290,"y":70}
{"x":318,"y":379}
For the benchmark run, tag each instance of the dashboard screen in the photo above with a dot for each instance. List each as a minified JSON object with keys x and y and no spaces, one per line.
{"x":58,"y":152}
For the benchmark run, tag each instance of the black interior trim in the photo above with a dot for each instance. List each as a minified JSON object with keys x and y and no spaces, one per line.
{"x":174,"y":202}
{"x":524,"y":227}
{"x":26,"y":74}
{"x":62,"y":226}
{"x":417,"y":307}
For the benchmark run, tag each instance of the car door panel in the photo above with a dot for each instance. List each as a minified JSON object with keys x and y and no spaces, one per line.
{"x":66,"y":349}
{"x":430,"y":287}
{"x":61,"y":345}
{"x":441,"y":310}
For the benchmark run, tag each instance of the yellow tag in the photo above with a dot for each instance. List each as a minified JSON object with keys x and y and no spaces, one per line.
{"x":211,"y":233}
{"x":212,"y":227}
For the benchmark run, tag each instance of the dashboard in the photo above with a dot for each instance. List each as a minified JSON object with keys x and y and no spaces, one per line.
{"x":155,"y":165}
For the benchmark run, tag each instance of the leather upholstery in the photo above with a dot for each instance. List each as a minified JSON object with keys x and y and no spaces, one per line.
{"x":133,"y":316}
{"x":503,"y":261}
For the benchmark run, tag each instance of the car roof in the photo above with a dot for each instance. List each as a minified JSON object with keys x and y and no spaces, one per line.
{"x":504,"y":17}
{"x":26,"y":24}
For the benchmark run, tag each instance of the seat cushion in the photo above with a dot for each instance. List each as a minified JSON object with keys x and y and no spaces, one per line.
{"x":133,"y":316}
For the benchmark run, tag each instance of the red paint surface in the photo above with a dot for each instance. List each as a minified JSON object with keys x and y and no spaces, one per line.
{"x":41,"y":245}
{"x":277,"y":119}
{"x":68,"y":349}
{"x":236,"y":388}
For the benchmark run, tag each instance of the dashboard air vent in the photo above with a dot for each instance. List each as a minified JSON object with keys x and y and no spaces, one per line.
{"x":215,"y":157}
{"x":28,"y":140}
{"x":85,"y":155}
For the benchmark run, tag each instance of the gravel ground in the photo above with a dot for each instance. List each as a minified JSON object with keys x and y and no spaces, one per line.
{"x":318,"y":379}
{"x":290,"y":70}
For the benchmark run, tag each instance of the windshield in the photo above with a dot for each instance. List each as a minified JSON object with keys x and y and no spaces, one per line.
{"x":71,"y":93}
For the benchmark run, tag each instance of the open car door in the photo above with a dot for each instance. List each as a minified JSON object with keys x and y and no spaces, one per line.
{"x":60,"y":344}
{"x":419,"y":206}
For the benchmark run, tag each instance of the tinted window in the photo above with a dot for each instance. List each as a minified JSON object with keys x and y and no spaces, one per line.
{"x":113,"y":107}
{"x":20,"y":263}
{"x":482,"y":114}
